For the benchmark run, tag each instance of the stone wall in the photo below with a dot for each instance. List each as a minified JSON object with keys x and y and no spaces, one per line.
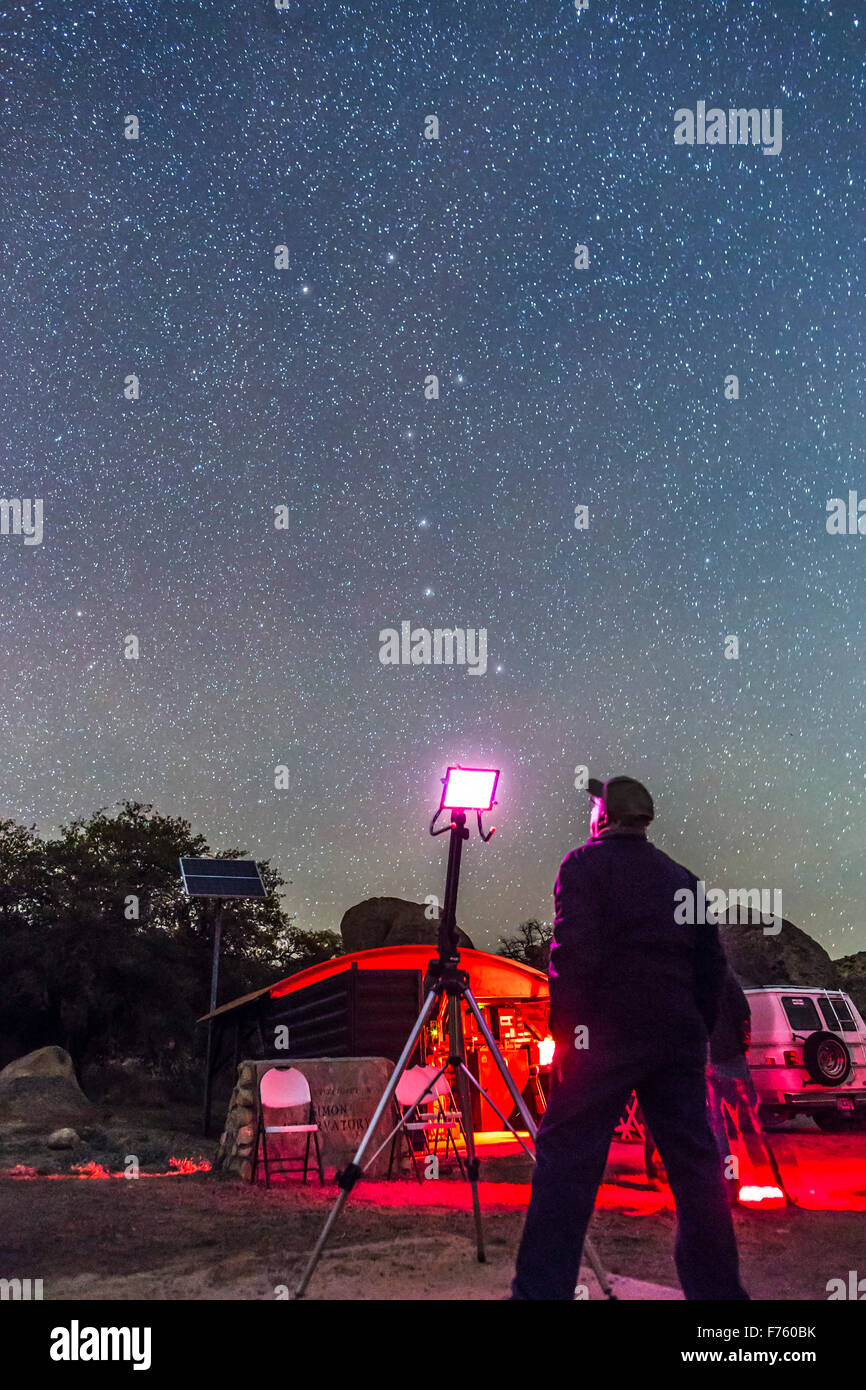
{"x":345,"y":1092}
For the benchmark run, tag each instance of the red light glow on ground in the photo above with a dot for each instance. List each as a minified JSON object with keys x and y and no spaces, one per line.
{"x":819,"y":1173}
{"x":177,"y":1167}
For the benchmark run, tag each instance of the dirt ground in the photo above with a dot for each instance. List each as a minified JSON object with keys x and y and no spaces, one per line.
{"x":201,"y":1236}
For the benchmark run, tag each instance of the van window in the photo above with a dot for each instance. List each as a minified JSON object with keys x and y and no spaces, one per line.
{"x":837,"y":1015}
{"x":802,"y":1014}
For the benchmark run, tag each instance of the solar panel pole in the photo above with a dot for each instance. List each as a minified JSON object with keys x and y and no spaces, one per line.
{"x":218,"y":879}
{"x":208,"y":1067}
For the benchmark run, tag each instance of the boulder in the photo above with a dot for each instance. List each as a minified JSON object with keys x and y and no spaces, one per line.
{"x":45,"y":1061}
{"x":63,"y":1139}
{"x":41,"y":1092}
{"x":852,"y":978}
{"x":790,"y":957}
{"x":390,"y":922}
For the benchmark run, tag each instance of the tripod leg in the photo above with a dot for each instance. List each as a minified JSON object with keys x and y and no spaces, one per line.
{"x":320,"y":1243}
{"x":457,"y":1047}
{"x":352,"y":1172}
{"x":540,"y":1097}
{"x":506,"y":1123}
{"x":513,"y":1090}
{"x":598,"y":1268}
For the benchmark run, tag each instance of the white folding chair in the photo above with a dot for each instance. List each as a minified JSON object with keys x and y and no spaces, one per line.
{"x":436,"y":1115}
{"x":280,"y":1088}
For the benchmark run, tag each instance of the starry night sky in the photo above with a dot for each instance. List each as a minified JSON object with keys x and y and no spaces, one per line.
{"x":559,"y":387}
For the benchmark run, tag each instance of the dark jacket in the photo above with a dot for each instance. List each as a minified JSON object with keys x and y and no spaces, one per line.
{"x":729,"y":1039}
{"x":619,"y":963}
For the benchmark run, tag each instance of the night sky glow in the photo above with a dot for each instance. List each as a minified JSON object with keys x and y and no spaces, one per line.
{"x":303,"y":388}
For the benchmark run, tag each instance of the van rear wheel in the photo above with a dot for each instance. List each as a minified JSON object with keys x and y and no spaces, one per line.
{"x":826,"y":1058}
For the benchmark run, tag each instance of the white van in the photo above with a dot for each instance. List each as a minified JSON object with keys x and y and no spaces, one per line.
{"x":808,"y":1056}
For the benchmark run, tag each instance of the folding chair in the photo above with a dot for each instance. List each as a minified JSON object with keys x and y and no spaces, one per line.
{"x":440,"y":1116}
{"x":737,"y":1122}
{"x":450,"y":1115}
{"x":279,"y":1088}
{"x":629,"y":1128}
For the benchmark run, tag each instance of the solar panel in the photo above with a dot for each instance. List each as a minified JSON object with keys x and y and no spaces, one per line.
{"x":222,"y":878}
{"x":226,"y":868}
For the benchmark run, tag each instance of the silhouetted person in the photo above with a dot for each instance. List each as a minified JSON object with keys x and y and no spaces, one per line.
{"x":633,"y":995}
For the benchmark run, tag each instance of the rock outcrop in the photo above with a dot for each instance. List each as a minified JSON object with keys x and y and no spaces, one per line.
{"x":852,"y":978}
{"x":40,"y":1092}
{"x":63,"y":1139}
{"x":790,"y":957}
{"x":390,"y":922}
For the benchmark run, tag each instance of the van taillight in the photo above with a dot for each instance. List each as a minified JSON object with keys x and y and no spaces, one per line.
{"x":770,"y":1061}
{"x":791,"y":1058}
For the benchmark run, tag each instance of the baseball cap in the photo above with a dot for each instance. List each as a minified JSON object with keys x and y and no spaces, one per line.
{"x":623,"y":798}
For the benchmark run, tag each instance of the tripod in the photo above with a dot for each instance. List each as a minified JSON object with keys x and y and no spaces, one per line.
{"x":444,"y":978}
{"x":758,"y":1131}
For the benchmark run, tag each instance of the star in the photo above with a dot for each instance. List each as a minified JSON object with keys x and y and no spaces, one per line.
{"x":255,"y":489}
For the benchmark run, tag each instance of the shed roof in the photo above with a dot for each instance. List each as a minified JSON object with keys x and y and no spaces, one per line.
{"x":490,"y":976}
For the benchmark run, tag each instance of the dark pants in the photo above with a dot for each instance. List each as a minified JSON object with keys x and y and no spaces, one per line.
{"x":587,"y":1099}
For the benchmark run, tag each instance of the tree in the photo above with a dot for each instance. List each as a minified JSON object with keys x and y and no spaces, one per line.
{"x":530,"y":944}
{"x":102,"y":952}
